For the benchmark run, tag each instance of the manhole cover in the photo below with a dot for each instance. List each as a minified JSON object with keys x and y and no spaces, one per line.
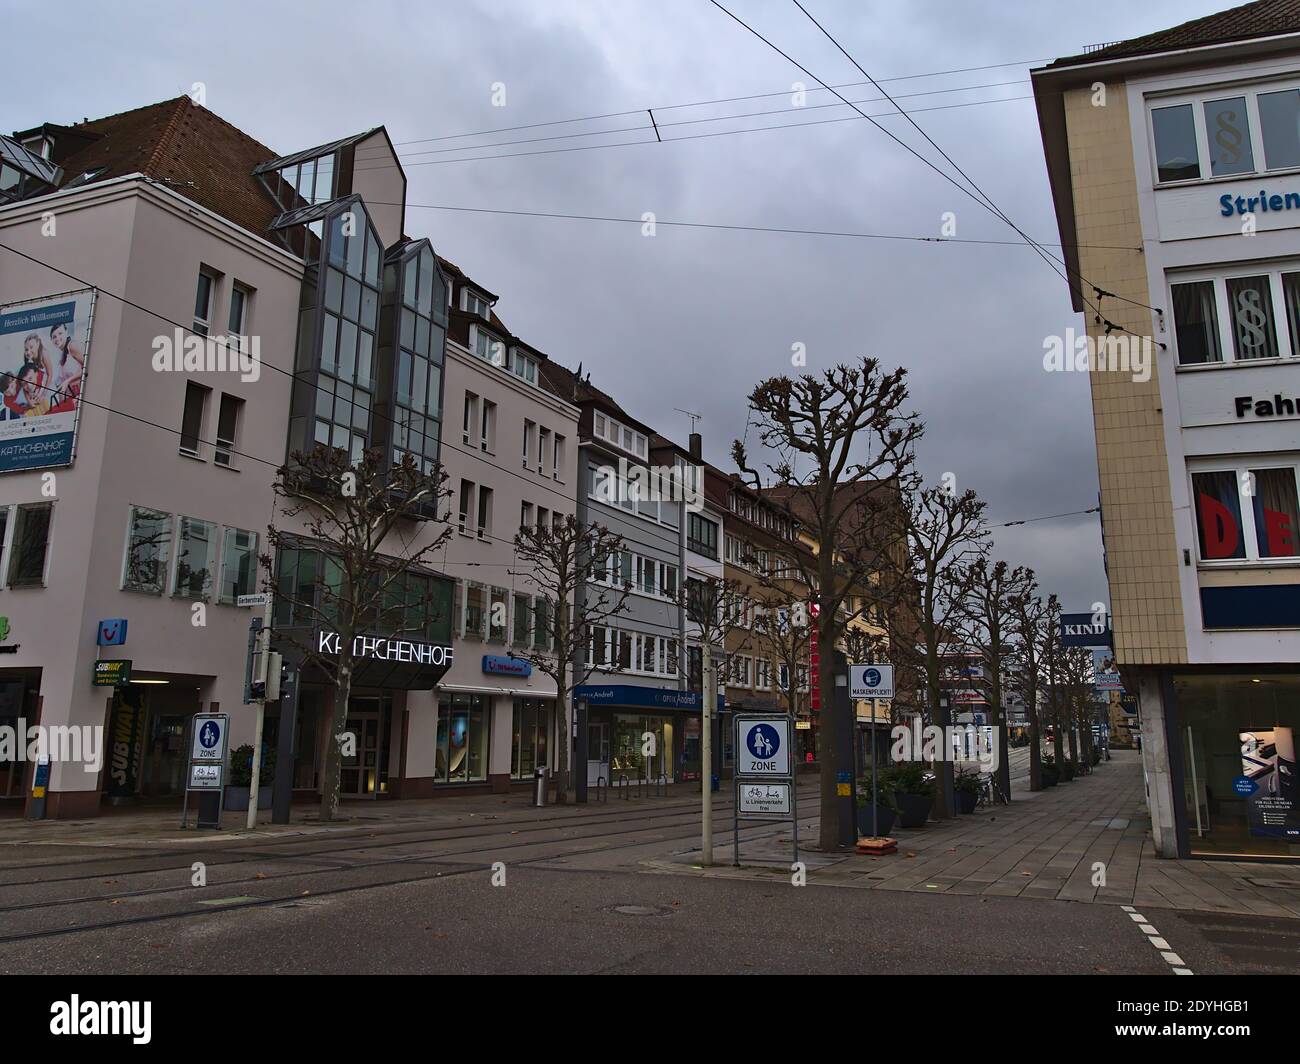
{"x":642,"y":910}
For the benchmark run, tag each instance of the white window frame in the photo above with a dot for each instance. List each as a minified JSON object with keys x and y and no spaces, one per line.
{"x":1245,"y":504}
{"x":7,"y":540}
{"x":1227,"y":342}
{"x":1198,"y":99}
{"x":165,"y":563}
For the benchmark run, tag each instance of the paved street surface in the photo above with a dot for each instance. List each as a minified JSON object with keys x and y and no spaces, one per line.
{"x":617,"y":887}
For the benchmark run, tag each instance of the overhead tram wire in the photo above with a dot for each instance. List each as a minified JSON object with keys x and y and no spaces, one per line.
{"x":403,"y":157}
{"x":970,"y":180}
{"x":674,"y":140}
{"x":704,"y":103}
{"x":977,"y":196}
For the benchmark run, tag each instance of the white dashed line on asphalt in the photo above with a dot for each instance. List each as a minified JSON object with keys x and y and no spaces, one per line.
{"x":1171,"y":958}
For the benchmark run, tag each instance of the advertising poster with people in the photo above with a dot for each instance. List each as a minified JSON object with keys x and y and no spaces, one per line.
{"x":44,"y":353}
{"x":1268,"y":782}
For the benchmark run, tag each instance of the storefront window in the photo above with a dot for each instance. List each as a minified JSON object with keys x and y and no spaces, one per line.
{"x":532,"y":726}
{"x":1239,"y":752}
{"x":462,"y":739}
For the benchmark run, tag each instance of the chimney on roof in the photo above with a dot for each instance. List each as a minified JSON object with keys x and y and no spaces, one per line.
{"x":696,"y":447}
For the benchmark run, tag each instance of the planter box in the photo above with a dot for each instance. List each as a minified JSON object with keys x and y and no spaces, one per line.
{"x":967,"y":801}
{"x":237,"y":798}
{"x":913,"y":809}
{"x":883,"y":813}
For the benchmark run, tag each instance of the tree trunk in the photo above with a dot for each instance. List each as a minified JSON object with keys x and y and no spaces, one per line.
{"x":1074,"y":741}
{"x":563,"y":741}
{"x":331,"y":777}
{"x":828,"y":751}
{"x":1000,"y":727}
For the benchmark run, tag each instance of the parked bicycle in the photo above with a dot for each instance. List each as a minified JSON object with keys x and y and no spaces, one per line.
{"x":991,"y":794}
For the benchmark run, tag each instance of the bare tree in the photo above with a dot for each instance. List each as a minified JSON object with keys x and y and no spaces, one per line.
{"x":946,"y":538}
{"x":834,"y":437}
{"x":573,"y":566}
{"x":347,"y":512}
{"x":1035,"y":626}
{"x":987,"y":622}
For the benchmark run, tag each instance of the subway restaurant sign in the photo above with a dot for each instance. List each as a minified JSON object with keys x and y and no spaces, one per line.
{"x":112,"y":673}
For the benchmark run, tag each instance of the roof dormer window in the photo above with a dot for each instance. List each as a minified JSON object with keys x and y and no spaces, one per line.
{"x":478,"y":306}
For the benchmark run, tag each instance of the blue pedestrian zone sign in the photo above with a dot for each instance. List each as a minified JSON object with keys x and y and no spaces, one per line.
{"x":764,"y":747}
{"x":209,"y":738}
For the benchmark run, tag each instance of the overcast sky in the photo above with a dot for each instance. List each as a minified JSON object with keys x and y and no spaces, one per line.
{"x":688,"y":318}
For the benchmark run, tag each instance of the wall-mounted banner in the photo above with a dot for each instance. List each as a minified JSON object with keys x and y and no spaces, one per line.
{"x":44,"y":356}
{"x":1082,"y":630}
{"x":1268,"y":760}
{"x":499,"y":665}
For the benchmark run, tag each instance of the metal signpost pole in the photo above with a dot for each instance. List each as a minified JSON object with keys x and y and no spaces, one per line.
{"x":875,"y":793}
{"x":706,"y":756}
{"x":189,"y":745}
{"x":794,"y":795}
{"x":735,"y":792}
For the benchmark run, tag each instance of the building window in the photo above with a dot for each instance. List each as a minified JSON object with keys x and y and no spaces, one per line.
{"x":1250,"y":302}
{"x":1279,"y":125}
{"x":227,"y":428}
{"x":238,"y":565}
{"x":1196,"y":323}
{"x":345,"y":381}
{"x":1237,"y":318}
{"x":420,"y":339}
{"x":194,"y":558}
{"x":1175,"y":134}
{"x":488,"y":347}
{"x":532,"y":730}
{"x":30,"y":545}
{"x":488,"y":428}
{"x":1247,"y":513}
{"x":559,"y":457}
{"x":203,"y":296}
{"x":477,"y":305}
{"x":196,"y":404}
{"x":1228,"y":129}
{"x":471,"y":418}
{"x":484,"y":527}
{"x":762,"y":674}
{"x":525,"y":367}
{"x":702,"y":535}
{"x":462,"y":751}
{"x":522,"y":619}
{"x":240,"y":297}
{"x":466,"y":510}
{"x":148,"y":549}
{"x":475,"y":619}
{"x":529,"y":428}
{"x":1254,"y":131}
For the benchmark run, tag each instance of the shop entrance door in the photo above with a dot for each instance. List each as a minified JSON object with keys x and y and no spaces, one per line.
{"x":597,"y":752}
{"x":360,"y":770}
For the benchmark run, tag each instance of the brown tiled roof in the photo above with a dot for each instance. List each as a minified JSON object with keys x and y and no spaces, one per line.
{"x":180,"y":144}
{"x":1264,"y":18}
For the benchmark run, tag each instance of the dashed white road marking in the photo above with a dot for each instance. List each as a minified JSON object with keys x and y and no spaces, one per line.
{"x":1171,"y":958}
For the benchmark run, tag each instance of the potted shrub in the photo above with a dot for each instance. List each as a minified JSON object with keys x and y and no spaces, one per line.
{"x":913,"y":793}
{"x":967,"y":788}
{"x":241,"y":778}
{"x":1048,"y":772}
{"x":886,"y":807}
{"x":1067,"y":771}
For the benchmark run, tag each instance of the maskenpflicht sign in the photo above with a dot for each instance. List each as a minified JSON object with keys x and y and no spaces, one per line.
{"x":763,"y":746}
{"x":871,"y":681}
